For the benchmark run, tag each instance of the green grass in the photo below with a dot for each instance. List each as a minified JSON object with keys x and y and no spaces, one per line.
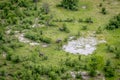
{"x":55,"y":56}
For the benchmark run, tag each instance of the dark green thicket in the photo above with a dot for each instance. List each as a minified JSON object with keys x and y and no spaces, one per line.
{"x":109,"y":69}
{"x":70,"y":4}
{"x":115,"y":49}
{"x":114,"y":23}
{"x":37,"y":36}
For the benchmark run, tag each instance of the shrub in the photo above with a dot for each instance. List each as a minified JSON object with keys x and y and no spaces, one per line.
{"x":89,"y":20}
{"x":45,"y":8}
{"x":78,"y":34}
{"x":45,"y":58}
{"x":64,"y":28}
{"x":103,"y":11}
{"x":117,"y":52}
{"x":99,"y":30}
{"x":23,"y":3}
{"x":78,"y":76}
{"x":67,"y":76}
{"x":45,"y":39}
{"x":15,"y":58}
{"x":37,"y":37}
{"x":69,"y":20}
{"x":80,"y":20}
{"x":15,"y":45}
{"x":53,"y":75}
{"x":70,"y":4}
{"x":100,"y":5}
{"x":3,"y":72}
{"x":84,"y":27}
{"x":109,"y":70}
{"x":31,"y":35}
{"x":92,"y":72}
{"x":111,"y":48}
{"x":114,"y":23}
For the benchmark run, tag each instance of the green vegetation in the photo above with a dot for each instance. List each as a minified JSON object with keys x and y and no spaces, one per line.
{"x":70,"y":4}
{"x":33,"y":33}
{"x":114,"y":23}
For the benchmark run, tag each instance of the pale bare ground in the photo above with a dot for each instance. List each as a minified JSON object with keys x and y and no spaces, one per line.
{"x":83,"y":45}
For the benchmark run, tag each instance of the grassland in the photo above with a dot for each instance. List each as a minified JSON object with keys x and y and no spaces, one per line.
{"x":25,"y":61}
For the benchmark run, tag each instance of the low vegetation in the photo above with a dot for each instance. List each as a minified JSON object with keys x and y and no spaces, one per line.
{"x":52,"y":24}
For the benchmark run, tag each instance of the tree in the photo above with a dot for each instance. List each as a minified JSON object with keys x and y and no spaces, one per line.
{"x":70,"y":4}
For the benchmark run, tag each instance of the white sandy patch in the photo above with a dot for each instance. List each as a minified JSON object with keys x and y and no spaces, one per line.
{"x":82,"y":45}
{"x":21,"y":38}
{"x":34,"y":43}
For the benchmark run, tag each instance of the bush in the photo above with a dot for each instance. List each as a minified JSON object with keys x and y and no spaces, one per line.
{"x":45,"y":8}
{"x":23,"y":3}
{"x":3,"y":72}
{"x":37,"y":37}
{"x":45,"y":39}
{"x":103,"y":11}
{"x":15,"y":58}
{"x":89,"y":20}
{"x":80,"y":20}
{"x":100,"y":5}
{"x":53,"y":75}
{"x":92,"y":72}
{"x":67,"y":76}
{"x":64,"y":28}
{"x":31,"y":35}
{"x":99,"y":30}
{"x":114,"y":23}
{"x":117,"y":54}
{"x":84,"y":27}
{"x":109,"y":70}
{"x":70,"y":4}
{"x":111,"y":48}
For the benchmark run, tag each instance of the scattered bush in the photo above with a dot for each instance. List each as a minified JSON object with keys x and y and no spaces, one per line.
{"x":117,"y":54}
{"x":99,"y":30}
{"x":89,"y":20}
{"x":100,"y":5}
{"x":103,"y":11}
{"x":70,"y":4}
{"x":64,"y":28}
{"x":15,"y":58}
{"x":3,"y":72}
{"x":109,"y":70}
{"x":78,"y":34}
{"x":114,"y":23}
{"x":80,"y":20}
{"x":111,"y":48}
{"x":53,"y":75}
{"x":84,"y":27}
{"x":37,"y":37}
{"x":45,"y":8}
